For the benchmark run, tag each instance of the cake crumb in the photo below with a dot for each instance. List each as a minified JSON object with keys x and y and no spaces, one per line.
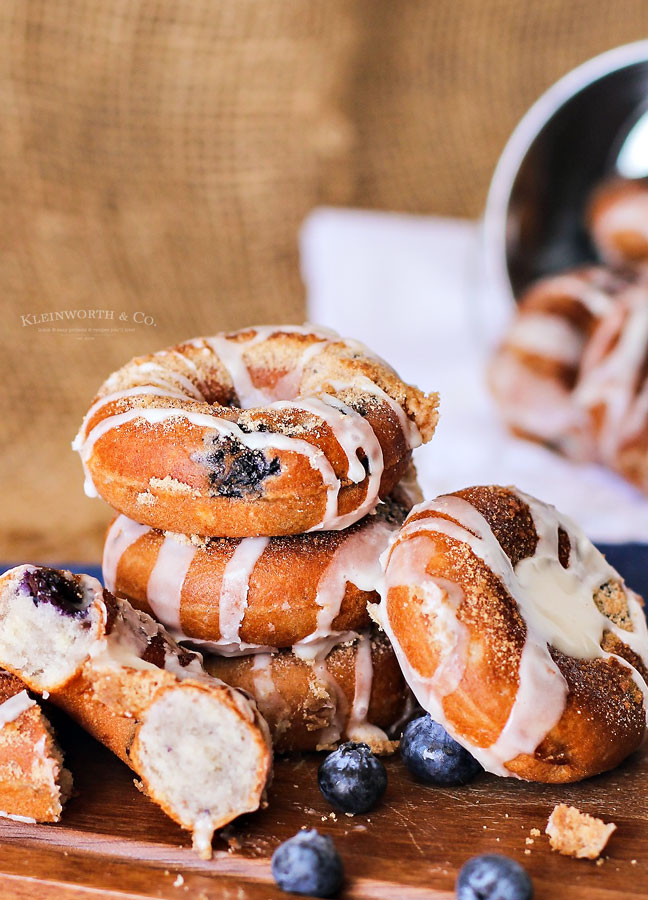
{"x":527,"y":852}
{"x":577,"y":834}
{"x":535,"y":832}
{"x":529,"y":841}
{"x":179,"y":881}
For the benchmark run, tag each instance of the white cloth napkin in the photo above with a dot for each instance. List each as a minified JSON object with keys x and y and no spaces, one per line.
{"x":412,"y":288}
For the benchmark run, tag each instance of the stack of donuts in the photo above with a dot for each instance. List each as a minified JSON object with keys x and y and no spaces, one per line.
{"x":257,"y":477}
{"x":263,"y":489}
{"x":572,"y":371}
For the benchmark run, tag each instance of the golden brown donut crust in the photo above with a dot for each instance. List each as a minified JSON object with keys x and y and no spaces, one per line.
{"x":303,"y":704}
{"x":604,"y":718}
{"x":33,"y":782}
{"x":281,"y":607}
{"x":182,"y":474}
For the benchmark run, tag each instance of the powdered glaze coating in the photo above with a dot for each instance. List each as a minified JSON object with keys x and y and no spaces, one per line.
{"x":558,"y":582}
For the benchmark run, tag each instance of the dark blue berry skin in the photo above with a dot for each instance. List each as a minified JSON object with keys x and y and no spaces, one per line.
{"x":493,"y":877}
{"x":46,"y":585}
{"x":432,"y":755}
{"x":308,"y":863}
{"x":352,"y":779}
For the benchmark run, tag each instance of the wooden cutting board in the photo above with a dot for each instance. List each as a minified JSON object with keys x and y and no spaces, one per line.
{"x":114,"y":843}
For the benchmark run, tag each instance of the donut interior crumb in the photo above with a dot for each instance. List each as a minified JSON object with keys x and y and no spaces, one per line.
{"x":577,"y":834}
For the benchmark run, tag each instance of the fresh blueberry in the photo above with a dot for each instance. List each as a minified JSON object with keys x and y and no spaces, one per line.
{"x":431,"y":754}
{"x":493,"y":877}
{"x":308,"y":863}
{"x":352,"y":778}
{"x":46,"y":585}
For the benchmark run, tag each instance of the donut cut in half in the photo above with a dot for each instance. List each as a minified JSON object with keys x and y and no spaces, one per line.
{"x":200,"y":748}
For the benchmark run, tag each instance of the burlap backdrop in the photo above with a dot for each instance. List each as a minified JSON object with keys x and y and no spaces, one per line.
{"x":157,"y":157}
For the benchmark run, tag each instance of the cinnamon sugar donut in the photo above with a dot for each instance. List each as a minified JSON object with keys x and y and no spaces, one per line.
{"x":613,"y":386}
{"x":238,"y":594}
{"x":618,"y":221}
{"x":352,"y":693}
{"x":515,"y":633}
{"x":535,"y":371}
{"x":272,"y":430}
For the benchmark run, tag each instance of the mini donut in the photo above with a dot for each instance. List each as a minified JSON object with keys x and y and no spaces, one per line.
{"x":536,"y":368}
{"x":515,"y":634}
{"x":355,"y":692}
{"x":269,"y":431}
{"x":613,"y":386}
{"x":618,"y":221}
{"x":234,"y":594}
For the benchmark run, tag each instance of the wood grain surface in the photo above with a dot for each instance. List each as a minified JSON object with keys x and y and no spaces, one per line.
{"x":114,"y":843}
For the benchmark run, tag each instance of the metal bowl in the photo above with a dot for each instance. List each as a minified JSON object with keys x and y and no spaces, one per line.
{"x":590,"y":124}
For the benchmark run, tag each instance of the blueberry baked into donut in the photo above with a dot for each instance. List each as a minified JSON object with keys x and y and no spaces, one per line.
{"x":516,"y":635}
{"x":200,"y":748}
{"x":268,"y":431}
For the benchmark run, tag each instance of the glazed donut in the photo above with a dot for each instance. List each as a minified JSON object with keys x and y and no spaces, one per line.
{"x":613,"y":386}
{"x":200,"y":748}
{"x":353,"y":693}
{"x":269,"y":431}
{"x":235,"y":594}
{"x":535,"y":370}
{"x":618,"y":221}
{"x":34,"y":785}
{"x":515,"y":633}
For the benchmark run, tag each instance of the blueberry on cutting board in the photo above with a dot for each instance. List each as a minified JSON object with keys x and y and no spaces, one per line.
{"x":352,"y":779}
{"x":308,"y":863}
{"x":493,"y":877}
{"x":432,"y":755}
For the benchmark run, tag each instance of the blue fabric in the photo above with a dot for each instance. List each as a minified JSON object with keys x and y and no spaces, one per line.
{"x":631,"y":560}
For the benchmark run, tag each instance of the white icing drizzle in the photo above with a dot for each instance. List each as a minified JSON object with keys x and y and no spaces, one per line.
{"x":27,"y":820}
{"x":169,"y":378}
{"x":408,"y":426}
{"x":15,"y":706}
{"x":164,"y":587}
{"x":236,"y":585}
{"x":357,"y":562}
{"x":121,"y":535}
{"x":547,"y":335}
{"x":332,"y":732}
{"x":264,"y":685}
{"x":351,"y":430}
{"x":612,"y":382}
{"x":358,"y":728}
{"x":354,"y":434}
{"x":231,"y":354}
{"x":555,"y":603}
